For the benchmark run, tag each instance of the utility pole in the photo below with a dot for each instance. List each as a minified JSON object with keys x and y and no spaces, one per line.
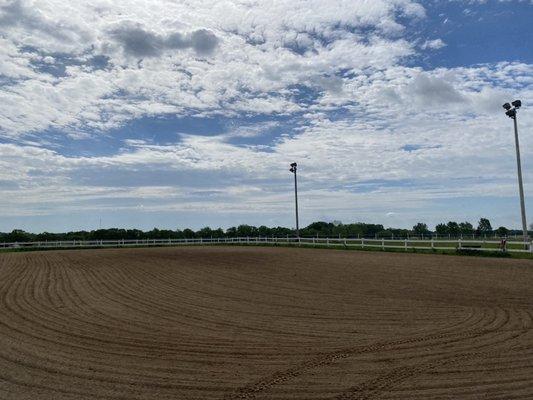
{"x":511,"y":112}
{"x":293,"y":170}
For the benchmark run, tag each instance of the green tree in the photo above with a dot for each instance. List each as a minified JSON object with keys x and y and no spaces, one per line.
{"x":188,"y":233}
{"x":205,"y":232}
{"x":218,"y":233}
{"x":420,"y":229}
{"x":280,"y":231}
{"x":231,"y":232}
{"x":385,"y":233}
{"x":246,"y":230}
{"x":263,"y":231}
{"x":484,"y":226}
{"x":453,"y":228}
{"x":18,"y":235}
{"x":441,"y":229}
{"x":502,"y":231}
{"x":466,"y":228}
{"x":320,"y":228}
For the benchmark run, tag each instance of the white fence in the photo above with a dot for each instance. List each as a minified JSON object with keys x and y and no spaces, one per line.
{"x":405,"y":244}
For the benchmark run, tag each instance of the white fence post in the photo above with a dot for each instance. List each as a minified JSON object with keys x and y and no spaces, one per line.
{"x":382,"y":243}
{"x":405,"y":244}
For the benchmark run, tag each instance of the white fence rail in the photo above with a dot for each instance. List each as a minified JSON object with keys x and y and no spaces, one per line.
{"x":405,"y":244}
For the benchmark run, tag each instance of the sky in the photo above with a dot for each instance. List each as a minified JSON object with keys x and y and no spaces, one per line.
{"x":174,"y":114}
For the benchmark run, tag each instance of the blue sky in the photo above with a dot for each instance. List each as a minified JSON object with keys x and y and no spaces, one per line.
{"x":187,"y":114}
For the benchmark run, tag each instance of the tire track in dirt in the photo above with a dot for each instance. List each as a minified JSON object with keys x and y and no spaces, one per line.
{"x":324,"y":360}
{"x":386,"y":381}
{"x":377,"y":386}
{"x":282,"y":376}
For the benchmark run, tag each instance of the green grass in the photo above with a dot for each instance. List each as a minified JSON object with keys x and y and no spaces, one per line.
{"x":451,"y":251}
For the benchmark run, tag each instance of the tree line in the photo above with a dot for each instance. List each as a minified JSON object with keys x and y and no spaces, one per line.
{"x":316,"y":229}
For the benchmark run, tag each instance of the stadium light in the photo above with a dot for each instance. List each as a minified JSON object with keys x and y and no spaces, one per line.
{"x":293,"y":169}
{"x":511,"y":112}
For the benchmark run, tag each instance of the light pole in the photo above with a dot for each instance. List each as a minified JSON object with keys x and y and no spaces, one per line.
{"x":511,"y":112}
{"x":293,"y":170}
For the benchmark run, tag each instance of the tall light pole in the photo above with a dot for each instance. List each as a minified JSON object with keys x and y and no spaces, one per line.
{"x":293,"y":170}
{"x":511,"y":112}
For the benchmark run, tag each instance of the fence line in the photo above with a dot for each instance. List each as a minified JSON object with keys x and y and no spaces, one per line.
{"x":405,"y":244}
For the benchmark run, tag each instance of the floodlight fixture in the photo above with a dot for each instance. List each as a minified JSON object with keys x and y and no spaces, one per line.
{"x":511,"y":113}
{"x":517,"y":103}
{"x":507,"y":106}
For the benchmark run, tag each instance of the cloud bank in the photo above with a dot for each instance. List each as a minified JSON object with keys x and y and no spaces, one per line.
{"x":338,"y":86}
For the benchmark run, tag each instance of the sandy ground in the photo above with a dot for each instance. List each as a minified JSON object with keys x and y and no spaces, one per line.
{"x":263,"y":323}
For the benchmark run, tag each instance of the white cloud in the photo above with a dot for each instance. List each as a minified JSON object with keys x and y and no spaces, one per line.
{"x":434,"y":44}
{"x":190,"y":59}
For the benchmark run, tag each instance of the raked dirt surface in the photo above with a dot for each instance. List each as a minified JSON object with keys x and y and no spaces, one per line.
{"x":263,"y":323}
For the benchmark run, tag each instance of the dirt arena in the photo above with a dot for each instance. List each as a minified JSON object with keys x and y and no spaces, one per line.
{"x":263,"y":323}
